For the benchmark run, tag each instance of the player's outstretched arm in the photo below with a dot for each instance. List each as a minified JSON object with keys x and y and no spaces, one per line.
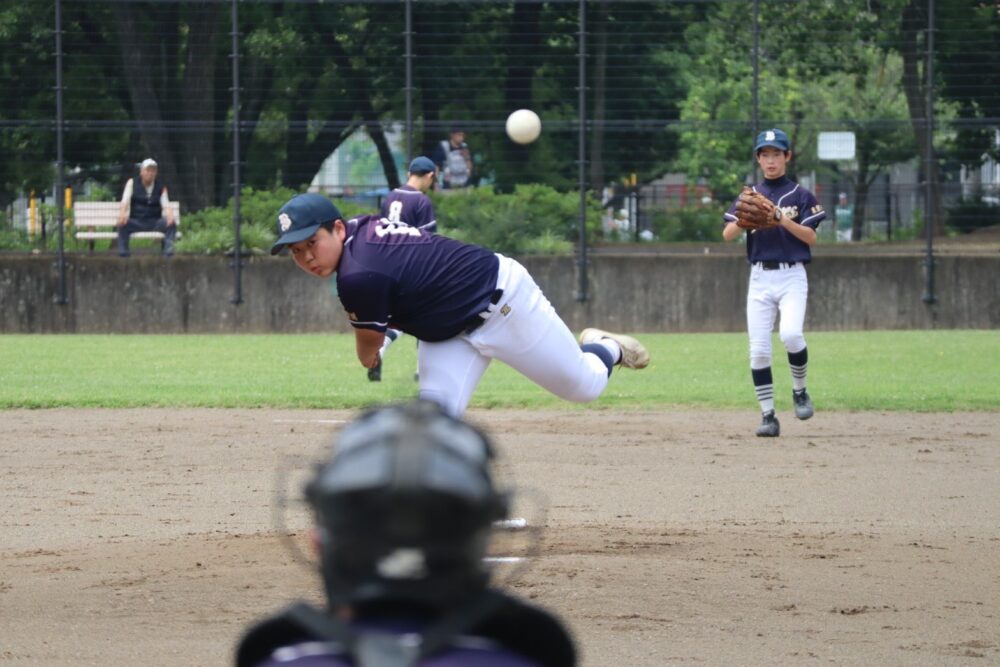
{"x":368,"y":343}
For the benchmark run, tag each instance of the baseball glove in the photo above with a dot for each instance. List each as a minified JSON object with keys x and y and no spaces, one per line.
{"x":755,"y":211}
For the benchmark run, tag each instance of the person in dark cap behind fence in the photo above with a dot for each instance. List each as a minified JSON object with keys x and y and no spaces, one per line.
{"x":454,"y":160}
{"x":403,"y":512}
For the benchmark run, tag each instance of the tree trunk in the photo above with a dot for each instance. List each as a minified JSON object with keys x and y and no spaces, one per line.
{"x":370,"y":117}
{"x":860,"y":193}
{"x":305,"y":154}
{"x":186,"y":159}
{"x":524,"y":36}
{"x":196,"y":98}
{"x":140,"y":71}
{"x":377,"y":135}
{"x":426,"y":83}
{"x":914,"y":24}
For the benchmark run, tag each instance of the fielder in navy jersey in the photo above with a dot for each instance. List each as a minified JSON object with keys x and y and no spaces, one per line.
{"x":778,"y":282}
{"x":466,"y":304}
{"x":409,"y":203}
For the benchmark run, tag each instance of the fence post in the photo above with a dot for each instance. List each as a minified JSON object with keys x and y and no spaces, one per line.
{"x":409,"y":81}
{"x":581,"y":294}
{"x":755,"y":86}
{"x":60,"y":298}
{"x":238,"y":243}
{"x":929,"y":221}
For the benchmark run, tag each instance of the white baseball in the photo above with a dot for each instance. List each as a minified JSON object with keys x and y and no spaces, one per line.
{"x":523,"y":126}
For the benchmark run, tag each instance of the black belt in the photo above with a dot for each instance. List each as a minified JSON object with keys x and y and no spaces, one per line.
{"x":770,"y":265}
{"x":479,"y":320}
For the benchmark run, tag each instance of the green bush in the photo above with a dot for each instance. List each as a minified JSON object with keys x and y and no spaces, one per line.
{"x":13,"y":239}
{"x":210,"y":231}
{"x":18,"y":239}
{"x":534,"y":219}
{"x":968,"y":215}
{"x":99,"y":193}
{"x":691,"y":223}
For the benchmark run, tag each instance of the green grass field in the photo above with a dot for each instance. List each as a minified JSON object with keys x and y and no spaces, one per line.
{"x":874,"y":370}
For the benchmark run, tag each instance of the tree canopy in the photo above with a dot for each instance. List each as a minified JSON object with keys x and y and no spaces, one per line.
{"x":668,"y":87}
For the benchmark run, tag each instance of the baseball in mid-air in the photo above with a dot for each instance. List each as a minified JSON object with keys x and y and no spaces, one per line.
{"x":523,"y":126}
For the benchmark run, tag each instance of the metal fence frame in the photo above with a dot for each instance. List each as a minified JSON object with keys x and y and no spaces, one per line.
{"x":582,"y":250}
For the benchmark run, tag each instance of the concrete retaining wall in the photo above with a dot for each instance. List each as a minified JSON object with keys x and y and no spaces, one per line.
{"x":657,"y":293}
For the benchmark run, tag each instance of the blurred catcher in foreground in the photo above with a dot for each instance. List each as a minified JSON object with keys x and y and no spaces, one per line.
{"x":404,"y":511}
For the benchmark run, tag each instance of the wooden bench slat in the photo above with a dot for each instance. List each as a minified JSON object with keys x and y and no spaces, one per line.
{"x":85,"y":236}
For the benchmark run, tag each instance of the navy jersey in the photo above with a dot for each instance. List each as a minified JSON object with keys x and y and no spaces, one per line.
{"x":429,"y":286}
{"x":410,"y":205}
{"x":777,"y":244}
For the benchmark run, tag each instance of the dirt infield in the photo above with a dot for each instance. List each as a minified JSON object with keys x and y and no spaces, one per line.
{"x":146,"y":536}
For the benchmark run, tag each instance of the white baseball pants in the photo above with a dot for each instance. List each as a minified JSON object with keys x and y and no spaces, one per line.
{"x":783,"y":290}
{"x":523,"y":331}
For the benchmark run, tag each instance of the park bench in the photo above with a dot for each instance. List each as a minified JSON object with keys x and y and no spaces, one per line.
{"x":95,"y":220}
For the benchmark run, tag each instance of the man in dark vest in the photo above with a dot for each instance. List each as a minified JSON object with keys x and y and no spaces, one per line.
{"x":145,"y":207}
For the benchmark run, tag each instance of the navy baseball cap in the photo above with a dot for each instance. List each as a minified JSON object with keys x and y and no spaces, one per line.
{"x":775,"y":138}
{"x":422,"y":165}
{"x":301,"y":216}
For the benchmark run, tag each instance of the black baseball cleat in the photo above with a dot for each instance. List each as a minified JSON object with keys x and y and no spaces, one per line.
{"x":375,"y":373}
{"x":803,"y":404}
{"x":769,"y":426}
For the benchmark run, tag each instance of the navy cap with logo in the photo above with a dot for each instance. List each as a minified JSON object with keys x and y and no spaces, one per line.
{"x":422,"y":165}
{"x":301,"y":217}
{"x":776,"y":138}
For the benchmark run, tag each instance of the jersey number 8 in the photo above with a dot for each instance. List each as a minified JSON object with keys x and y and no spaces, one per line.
{"x":386,"y":227}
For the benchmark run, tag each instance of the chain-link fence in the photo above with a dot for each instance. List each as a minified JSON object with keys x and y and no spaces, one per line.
{"x":647,"y":107}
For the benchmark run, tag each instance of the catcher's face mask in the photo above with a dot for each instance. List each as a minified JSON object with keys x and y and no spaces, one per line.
{"x":405,"y":508}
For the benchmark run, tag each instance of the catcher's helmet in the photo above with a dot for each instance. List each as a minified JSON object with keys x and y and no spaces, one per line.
{"x":405,"y":507}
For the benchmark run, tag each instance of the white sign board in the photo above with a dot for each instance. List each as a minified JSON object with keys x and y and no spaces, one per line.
{"x":835,"y":146}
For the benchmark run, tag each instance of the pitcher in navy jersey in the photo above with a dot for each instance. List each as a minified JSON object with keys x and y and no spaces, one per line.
{"x":467,"y":305}
{"x":778,"y":282}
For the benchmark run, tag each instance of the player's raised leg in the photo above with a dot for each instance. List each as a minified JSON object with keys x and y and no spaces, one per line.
{"x":527,"y":334}
{"x":630,"y":352}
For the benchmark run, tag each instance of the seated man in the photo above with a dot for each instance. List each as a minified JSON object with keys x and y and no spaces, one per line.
{"x":403,"y":513}
{"x":146,"y":208}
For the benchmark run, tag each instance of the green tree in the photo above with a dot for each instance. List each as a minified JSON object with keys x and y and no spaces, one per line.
{"x":968,"y":32}
{"x":868,"y":100}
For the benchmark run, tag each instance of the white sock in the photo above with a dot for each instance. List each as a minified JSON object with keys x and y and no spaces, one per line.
{"x":390,"y":336}
{"x":614,"y":348}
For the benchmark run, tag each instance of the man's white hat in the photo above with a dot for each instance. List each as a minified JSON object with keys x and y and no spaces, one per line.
{"x":148,"y":162}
